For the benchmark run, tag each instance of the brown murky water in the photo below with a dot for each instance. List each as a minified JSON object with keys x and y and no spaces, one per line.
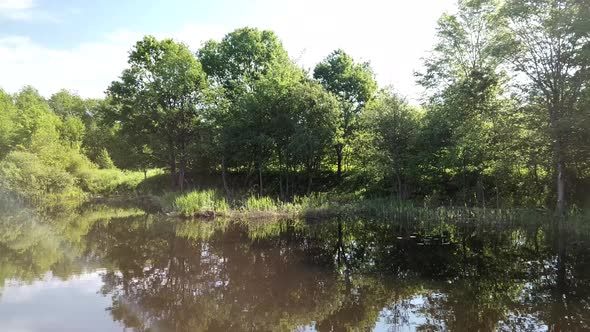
{"x":106,"y":270}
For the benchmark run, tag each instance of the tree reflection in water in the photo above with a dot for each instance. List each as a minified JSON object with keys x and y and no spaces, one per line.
{"x":341,"y":275}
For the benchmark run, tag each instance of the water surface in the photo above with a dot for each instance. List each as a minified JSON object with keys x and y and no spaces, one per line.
{"x":106,"y":269}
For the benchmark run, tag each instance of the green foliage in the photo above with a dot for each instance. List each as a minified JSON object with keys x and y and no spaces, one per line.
{"x":260,"y":204}
{"x":354,"y":85}
{"x":72,"y":132}
{"x":387,"y":145}
{"x":8,"y":118}
{"x":496,"y":129}
{"x":547,"y":42}
{"x":69,"y":105}
{"x":23,"y":174}
{"x":201,"y":203}
{"x":103,"y":160}
{"x":241,"y":58}
{"x":157,"y":69}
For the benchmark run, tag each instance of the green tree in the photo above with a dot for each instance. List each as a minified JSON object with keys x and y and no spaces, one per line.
{"x":8,"y":113}
{"x":241,"y":58}
{"x":37,"y":127}
{"x":466,"y":106}
{"x":68,"y":104}
{"x":393,"y":128}
{"x":72,"y":131}
{"x":547,"y":43}
{"x":316,"y":125}
{"x":354,"y":85}
{"x":235,"y":65}
{"x":163,"y":93}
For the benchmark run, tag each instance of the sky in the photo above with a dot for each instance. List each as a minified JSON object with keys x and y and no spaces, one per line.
{"x":83,"y":45}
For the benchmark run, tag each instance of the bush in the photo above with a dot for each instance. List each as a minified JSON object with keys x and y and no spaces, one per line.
{"x":33,"y":181}
{"x":103,"y":160}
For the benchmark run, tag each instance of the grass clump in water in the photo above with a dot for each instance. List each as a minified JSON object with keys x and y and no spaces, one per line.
{"x":261,"y":204}
{"x":206,"y":202}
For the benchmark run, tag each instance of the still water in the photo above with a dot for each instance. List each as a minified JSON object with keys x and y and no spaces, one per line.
{"x":107,"y":269}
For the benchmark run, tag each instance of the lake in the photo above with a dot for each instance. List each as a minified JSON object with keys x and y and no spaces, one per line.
{"x":108,"y":269}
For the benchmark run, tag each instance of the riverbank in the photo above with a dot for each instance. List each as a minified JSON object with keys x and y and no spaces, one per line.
{"x":210,"y":204}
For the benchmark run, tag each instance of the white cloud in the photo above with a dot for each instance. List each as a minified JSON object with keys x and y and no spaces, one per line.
{"x":87,"y":69}
{"x":393,"y":35}
{"x":24,"y":10}
{"x":16,"y":4}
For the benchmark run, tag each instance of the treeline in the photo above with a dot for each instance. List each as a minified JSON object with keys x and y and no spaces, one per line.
{"x":54,"y":152}
{"x":504,"y":122}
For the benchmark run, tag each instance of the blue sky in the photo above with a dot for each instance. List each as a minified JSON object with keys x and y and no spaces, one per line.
{"x":82,"y":45}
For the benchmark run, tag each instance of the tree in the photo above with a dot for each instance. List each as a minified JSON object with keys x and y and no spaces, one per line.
{"x":315,"y":125}
{"x":466,"y":106}
{"x":8,"y":114}
{"x":465,"y":46}
{"x":241,"y":58}
{"x":162,"y":93}
{"x":68,"y":104}
{"x":394,"y":127}
{"x":354,"y":85}
{"x":547,"y":43}
{"x":235,"y":65}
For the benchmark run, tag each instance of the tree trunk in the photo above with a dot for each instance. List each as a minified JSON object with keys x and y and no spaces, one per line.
{"x":224,"y":177}
{"x":559,"y":162}
{"x":259,"y":179}
{"x":173,"y":172}
{"x":281,"y":192}
{"x":399,"y":185}
{"x":181,"y":173}
{"x":339,"y":148}
{"x":560,"y":207}
{"x":182,"y":165}
{"x":309,"y":178}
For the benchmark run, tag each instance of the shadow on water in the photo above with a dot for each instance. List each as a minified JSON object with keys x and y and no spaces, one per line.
{"x":164,"y":274}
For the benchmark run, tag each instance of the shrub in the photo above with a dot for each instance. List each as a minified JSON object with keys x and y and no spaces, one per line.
{"x":33,"y":181}
{"x":103,"y":160}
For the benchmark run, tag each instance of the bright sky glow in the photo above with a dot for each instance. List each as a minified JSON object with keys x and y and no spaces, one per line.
{"x":82,"y":45}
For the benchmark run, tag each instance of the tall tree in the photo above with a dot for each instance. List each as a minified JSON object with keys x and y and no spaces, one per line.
{"x":394,"y":127}
{"x":8,"y":113}
{"x":162,"y":93}
{"x":241,"y":58}
{"x":316,"y":124}
{"x":236,"y":64}
{"x":548,"y":42}
{"x":354,"y":85}
{"x":464,"y":86}
{"x":68,"y":104}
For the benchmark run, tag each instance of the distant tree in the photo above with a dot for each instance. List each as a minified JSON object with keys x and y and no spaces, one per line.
{"x":163,"y":93}
{"x":68,"y":104}
{"x":241,"y":58}
{"x":466,"y":106}
{"x":316,"y":125}
{"x":8,"y":113}
{"x":394,"y":128}
{"x":547,"y":42}
{"x":36,"y":127}
{"x":72,"y":131}
{"x":354,"y":85}
{"x":235,"y":65}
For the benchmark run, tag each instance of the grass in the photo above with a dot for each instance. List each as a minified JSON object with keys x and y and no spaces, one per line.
{"x":209,"y":203}
{"x":201,"y":203}
{"x":113,"y":181}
